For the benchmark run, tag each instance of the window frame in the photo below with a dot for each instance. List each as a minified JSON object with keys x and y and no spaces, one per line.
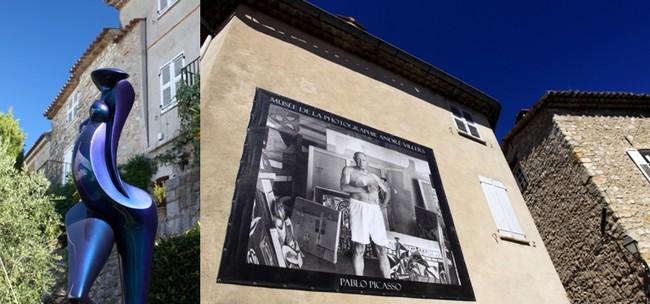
{"x":506,"y":221}
{"x":464,"y":122}
{"x":520,"y":177}
{"x":163,"y":10}
{"x":173,"y":83}
{"x":641,"y":157}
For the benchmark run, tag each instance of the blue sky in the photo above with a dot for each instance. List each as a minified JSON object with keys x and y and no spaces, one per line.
{"x":41,"y":41}
{"x":515,"y":51}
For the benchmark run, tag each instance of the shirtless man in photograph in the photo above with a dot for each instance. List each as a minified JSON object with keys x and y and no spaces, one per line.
{"x":366,"y":219}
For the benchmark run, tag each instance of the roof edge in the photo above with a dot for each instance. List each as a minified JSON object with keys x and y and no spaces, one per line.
{"x":578,"y":99}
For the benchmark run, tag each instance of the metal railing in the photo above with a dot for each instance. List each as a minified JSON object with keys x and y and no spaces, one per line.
{"x":190,"y":72}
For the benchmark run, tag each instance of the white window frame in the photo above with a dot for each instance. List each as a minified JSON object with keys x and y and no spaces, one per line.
{"x":641,"y":161}
{"x":502,"y":212}
{"x":165,"y":5}
{"x":168,"y":72}
{"x":464,"y":122}
{"x":73,"y":104}
{"x":67,"y":164}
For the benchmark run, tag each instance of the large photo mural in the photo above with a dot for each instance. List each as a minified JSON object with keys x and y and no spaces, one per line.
{"x":324,"y":203}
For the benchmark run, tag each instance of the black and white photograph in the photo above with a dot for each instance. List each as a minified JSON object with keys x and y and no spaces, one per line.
{"x":324,"y":203}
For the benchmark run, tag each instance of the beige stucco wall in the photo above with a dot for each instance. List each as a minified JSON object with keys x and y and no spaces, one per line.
{"x":255,"y":51}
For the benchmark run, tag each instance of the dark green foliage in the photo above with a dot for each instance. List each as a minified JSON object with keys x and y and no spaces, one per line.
{"x":65,"y":197}
{"x":189,"y":112}
{"x":20,"y":160}
{"x":175,"y":271}
{"x":138,"y":171}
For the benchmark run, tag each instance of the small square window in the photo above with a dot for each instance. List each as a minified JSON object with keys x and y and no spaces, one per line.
{"x":464,"y":122}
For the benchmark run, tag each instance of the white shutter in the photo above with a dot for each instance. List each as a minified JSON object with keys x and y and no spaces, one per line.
{"x":501,"y":208}
{"x":67,"y":164}
{"x":165,"y":86}
{"x":170,"y":77}
{"x":640,"y":162}
{"x":178,"y":66}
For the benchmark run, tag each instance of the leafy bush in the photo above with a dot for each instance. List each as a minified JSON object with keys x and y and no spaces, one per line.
{"x":138,"y":170}
{"x":29,"y":228}
{"x":175,"y":271}
{"x":65,"y":197}
{"x":189,"y":133}
{"x":159,"y":193}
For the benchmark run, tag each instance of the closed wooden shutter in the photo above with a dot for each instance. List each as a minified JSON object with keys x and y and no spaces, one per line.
{"x":501,"y":208}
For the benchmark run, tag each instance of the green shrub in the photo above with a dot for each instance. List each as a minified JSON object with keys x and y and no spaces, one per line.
{"x":159,"y":194}
{"x":29,"y":228}
{"x":175,"y":271}
{"x":188,"y":99}
{"x":65,"y":196}
{"x":138,"y":170}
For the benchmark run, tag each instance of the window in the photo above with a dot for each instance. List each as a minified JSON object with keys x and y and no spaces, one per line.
{"x":502,"y":212}
{"x":170,"y":78}
{"x":464,"y":122}
{"x":163,"y":5}
{"x":520,"y":176}
{"x":67,"y":164}
{"x":72,"y":107}
{"x":642,"y":159}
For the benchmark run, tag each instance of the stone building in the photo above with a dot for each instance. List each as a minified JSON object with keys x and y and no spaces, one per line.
{"x":112,"y":48}
{"x":37,"y":156}
{"x":581,"y":161}
{"x":288,"y":93}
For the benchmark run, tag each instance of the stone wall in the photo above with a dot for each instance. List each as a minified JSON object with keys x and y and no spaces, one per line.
{"x":577,"y":167}
{"x":183,"y":195}
{"x":182,"y":213}
{"x":125,"y":54}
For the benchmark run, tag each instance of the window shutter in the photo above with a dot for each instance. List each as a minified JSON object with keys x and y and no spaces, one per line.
{"x":640,"y":162}
{"x":67,"y":164}
{"x":178,"y":67}
{"x":501,"y":208}
{"x":166,"y":86}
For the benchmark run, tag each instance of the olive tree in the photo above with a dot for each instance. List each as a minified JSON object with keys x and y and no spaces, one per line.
{"x":29,"y":228}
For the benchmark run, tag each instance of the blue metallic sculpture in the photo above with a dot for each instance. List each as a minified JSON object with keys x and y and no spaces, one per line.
{"x":111,"y":211}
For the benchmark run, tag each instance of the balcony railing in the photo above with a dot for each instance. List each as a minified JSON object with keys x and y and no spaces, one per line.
{"x":190,"y":72}
{"x":53,"y":171}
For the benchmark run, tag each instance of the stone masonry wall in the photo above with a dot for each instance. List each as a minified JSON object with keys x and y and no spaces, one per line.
{"x":566,"y":159}
{"x":183,"y":204}
{"x":182,"y":213}
{"x":125,"y":55}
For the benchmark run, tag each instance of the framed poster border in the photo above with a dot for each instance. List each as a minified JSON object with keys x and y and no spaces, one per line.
{"x":235,"y":269}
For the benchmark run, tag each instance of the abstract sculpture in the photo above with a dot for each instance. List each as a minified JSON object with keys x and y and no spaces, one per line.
{"x":111,"y":211}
